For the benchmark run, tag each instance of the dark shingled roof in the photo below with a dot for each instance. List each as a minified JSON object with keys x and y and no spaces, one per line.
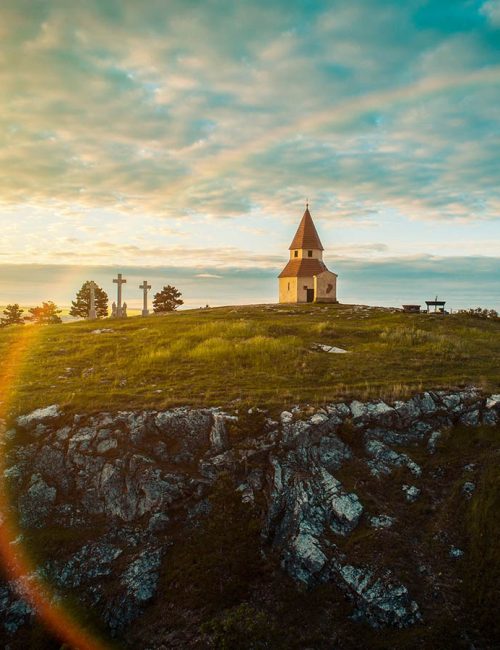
{"x":306,"y":235}
{"x":304,"y":268}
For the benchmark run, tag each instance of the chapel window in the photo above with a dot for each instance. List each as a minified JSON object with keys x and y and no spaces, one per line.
{"x":295,"y":253}
{"x":309,"y":253}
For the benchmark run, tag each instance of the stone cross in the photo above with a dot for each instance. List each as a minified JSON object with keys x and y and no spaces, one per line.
{"x":145,"y":288}
{"x":119,"y":281}
{"x":92,"y":311}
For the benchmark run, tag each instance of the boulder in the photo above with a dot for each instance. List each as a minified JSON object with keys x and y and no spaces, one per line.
{"x":380,"y":600}
{"x":218,"y":434}
{"x":411,"y":492}
{"x":385,"y":459}
{"x":39,"y":416}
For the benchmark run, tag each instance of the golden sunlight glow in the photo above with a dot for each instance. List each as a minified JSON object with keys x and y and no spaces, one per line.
{"x":14,"y":558}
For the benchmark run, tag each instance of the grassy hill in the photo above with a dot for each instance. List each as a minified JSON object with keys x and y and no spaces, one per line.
{"x":259,"y":354}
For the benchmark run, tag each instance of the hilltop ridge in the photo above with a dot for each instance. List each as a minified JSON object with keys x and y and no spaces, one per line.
{"x":267,"y":355}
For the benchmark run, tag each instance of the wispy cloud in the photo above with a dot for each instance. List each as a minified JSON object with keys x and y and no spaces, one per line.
{"x":128,"y":129}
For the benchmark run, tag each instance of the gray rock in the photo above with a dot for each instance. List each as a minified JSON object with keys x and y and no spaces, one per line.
{"x":341,"y":411}
{"x":141,"y":577}
{"x":382,"y":521}
{"x":93,"y":560}
{"x":412,"y":492}
{"x":385,"y":459}
{"x":218,"y":434}
{"x":490,"y":418}
{"x":318,"y":419}
{"x":41,"y":415}
{"x":139,"y":582}
{"x":432,"y":442}
{"x":37,"y":503}
{"x":468,"y":489}
{"x":470,"y":419}
{"x":408,"y":412}
{"x":380,"y":600}
{"x":331,"y":453}
{"x":455,"y":552}
{"x":15,"y":611}
{"x":158,"y":522}
{"x":359,"y":412}
{"x":426,"y":404}
{"x":305,"y":559}
{"x":106,"y":445}
{"x":493,"y":401}
{"x":452,"y":402}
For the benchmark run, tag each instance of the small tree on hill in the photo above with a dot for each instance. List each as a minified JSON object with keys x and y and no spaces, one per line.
{"x":47,"y":314}
{"x":81,"y":305}
{"x":168,"y":299}
{"x":13,"y":315}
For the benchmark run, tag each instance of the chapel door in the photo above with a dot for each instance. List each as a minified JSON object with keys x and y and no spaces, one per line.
{"x":310,"y":295}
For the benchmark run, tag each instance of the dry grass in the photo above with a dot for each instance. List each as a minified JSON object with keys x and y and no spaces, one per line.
{"x":261,"y":354}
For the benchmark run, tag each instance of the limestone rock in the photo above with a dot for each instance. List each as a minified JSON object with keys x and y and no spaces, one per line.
{"x":432,"y":442}
{"x":382,"y":521}
{"x":493,"y":402}
{"x":468,"y":489}
{"x":385,"y":459}
{"x":36,"y":505}
{"x":411,"y":492}
{"x":93,"y":560}
{"x":39,"y":416}
{"x":380,"y":600}
{"x":218,"y":434}
{"x":139,"y":582}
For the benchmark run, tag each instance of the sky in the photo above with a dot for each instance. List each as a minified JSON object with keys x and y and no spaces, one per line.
{"x":178,"y":141}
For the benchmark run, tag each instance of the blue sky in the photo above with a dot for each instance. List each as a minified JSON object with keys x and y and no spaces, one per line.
{"x":187,"y":135}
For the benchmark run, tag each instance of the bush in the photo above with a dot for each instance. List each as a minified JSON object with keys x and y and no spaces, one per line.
{"x":80,"y":307}
{"x":47,"y":314}
{"x":12,"y":315}
{"x":479,"y":312}
{"x":168,"y":299}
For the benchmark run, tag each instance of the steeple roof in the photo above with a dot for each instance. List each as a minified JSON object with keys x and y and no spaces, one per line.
{"x":306,"y":235}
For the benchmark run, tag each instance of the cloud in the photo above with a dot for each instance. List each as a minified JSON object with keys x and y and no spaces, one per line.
{"x":168,"y":113}
{"x":208,"y":275}
{"x":491,"y":10}
{"x":461,"y":281}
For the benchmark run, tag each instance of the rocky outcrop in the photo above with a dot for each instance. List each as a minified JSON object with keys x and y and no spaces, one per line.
{"x":128,"y":479}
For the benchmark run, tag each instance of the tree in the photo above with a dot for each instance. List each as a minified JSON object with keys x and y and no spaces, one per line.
{"x":12,"y":316}
{"x":81,"y":305}
{"x":47,"y":314}
{"x":168,"y":299}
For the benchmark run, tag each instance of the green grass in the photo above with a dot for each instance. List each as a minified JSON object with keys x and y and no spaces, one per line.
{"x":260,"y":354}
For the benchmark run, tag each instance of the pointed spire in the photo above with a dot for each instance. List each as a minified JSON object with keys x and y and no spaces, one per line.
{"x":306,"y":235}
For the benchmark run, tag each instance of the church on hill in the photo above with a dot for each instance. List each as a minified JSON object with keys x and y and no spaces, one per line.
{"x":305,"y":278}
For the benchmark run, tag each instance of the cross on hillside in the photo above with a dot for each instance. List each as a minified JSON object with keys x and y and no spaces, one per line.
{"x":119,"y":281}
{"x":92,"y":311}
{"x":145,"y":288}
